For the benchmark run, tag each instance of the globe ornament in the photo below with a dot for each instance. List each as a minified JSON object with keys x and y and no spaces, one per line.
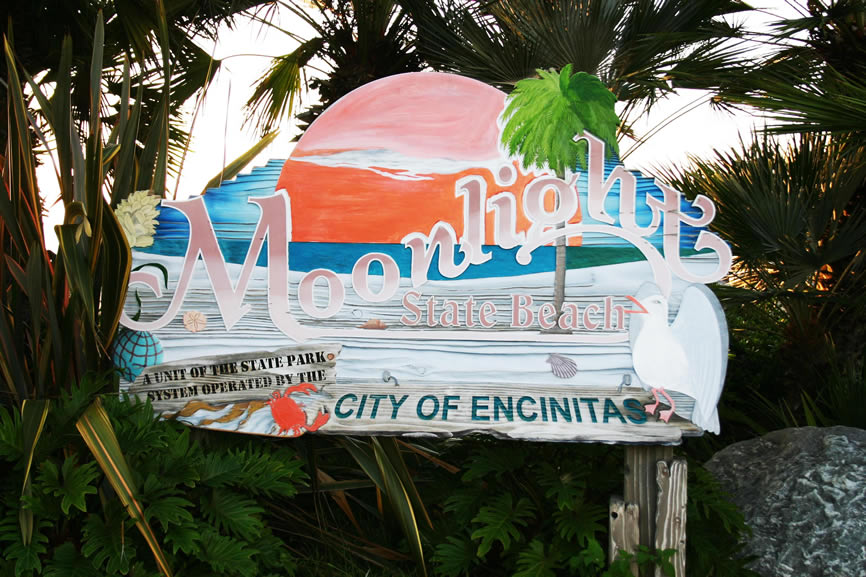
{"x":133,"y":351}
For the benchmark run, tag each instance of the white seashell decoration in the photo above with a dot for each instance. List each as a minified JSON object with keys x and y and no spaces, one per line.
{"x":194,"y":321}
{"x":562,"y":367}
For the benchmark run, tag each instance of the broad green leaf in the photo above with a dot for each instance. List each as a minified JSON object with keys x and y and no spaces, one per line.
{"x":98,"y":433}
{"x":536,"y":562}
{"x":236,"y":513}
{"x":455,"y":557}
{"x":71,"y":482}
{"x":580,"y":522}
{"x":68,"y":562}
{"x":225,"y":554}
{"x":499,"y":521}
{"x":28,"y":557}
{"x":105,"y":542}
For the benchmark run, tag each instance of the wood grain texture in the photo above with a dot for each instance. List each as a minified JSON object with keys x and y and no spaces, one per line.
{"x":624,"y":530}
{"x":519,"y":411}
{"x":484,"y":409}
{"x":640,"y":485}
{"x":240,"y":377}
{"x":671,"y":513}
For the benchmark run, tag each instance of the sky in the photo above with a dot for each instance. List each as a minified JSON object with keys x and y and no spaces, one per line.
{"x":219,"y":133}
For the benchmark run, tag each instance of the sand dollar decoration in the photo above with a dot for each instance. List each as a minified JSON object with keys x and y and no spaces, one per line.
{"x":194,"y":321}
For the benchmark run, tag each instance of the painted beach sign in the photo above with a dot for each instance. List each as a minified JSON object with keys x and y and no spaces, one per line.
{"x":425,"y":264}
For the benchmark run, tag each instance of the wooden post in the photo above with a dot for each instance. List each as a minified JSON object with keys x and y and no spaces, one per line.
{"x":624,"y":518}
{"x":641,"y":486}
{"x":671,"y":513}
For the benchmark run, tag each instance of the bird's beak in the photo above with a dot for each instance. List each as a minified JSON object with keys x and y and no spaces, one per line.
{"x":641,"y":308}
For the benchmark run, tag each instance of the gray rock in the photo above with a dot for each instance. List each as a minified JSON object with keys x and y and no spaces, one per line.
{"x":803,"y":493}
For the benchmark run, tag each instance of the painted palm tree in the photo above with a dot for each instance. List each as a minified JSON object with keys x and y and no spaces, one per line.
{"x":541,"y":118}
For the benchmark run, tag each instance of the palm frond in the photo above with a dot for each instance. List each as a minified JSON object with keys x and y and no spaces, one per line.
{"x":278,"y":89}
{"x":641,"y":50}
{"x":795,"y":220}
{"x":543,"y":115}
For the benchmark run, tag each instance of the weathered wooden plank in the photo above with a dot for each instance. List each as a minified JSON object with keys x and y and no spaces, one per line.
{"x":237,"y":377}
{"x":624,"y":530}
{"x":513,"y":411}
{"x":224,"y":392}
{"x":671,"y":513}
{"x":640,"y":485}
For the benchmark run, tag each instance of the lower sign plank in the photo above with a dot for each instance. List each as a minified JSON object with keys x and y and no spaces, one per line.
{"x":294,"y":390}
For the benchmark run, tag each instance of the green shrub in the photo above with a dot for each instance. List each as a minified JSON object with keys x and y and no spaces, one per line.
{"x":540,"y":509}
{"x":204,"y":497}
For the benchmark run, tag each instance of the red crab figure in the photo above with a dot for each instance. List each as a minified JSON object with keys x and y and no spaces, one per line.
{"x":289,"y":416}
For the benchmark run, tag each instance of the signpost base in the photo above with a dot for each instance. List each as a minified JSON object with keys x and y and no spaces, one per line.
{"x":653,"y":510}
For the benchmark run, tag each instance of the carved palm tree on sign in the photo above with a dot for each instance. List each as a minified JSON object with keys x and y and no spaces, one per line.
{"x":541,"y":119}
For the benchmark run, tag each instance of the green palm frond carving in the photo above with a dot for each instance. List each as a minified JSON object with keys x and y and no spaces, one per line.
{"x":543,"y":115}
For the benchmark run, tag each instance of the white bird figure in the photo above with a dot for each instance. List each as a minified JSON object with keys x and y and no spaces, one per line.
{"x":688,"y":356}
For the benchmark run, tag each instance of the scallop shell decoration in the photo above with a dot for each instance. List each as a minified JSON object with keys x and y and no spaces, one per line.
{"x":194,"y":321}
{"x":374,"y":324}
{"x":562,"y":367}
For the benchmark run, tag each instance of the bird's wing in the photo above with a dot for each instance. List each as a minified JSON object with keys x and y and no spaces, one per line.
{"x":636,"y":321}
{"x":701,"y":329}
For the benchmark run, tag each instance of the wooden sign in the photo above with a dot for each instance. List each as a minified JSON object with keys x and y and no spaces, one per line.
{"x":409,"y":271}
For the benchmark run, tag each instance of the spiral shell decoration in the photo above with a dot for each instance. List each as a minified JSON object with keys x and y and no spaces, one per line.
{"x":562,"y":367}
{"x":194,"y":321}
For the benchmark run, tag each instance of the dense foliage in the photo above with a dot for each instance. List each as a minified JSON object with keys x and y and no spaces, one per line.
{"x":206,"y":500}
{"x":540,"y":509}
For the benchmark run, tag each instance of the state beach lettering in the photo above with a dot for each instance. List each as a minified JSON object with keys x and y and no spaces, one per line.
{"x":481,"y":409}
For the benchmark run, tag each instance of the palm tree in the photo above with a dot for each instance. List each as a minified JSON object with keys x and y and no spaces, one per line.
{"x":813,"y":79}
{"x":641,"y":50}
{"x":796,"y":215}
{"x":358,"y":40}
{"x":789,"y":214}
{"x":572,"y":104}
{"x":156,"y":39}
